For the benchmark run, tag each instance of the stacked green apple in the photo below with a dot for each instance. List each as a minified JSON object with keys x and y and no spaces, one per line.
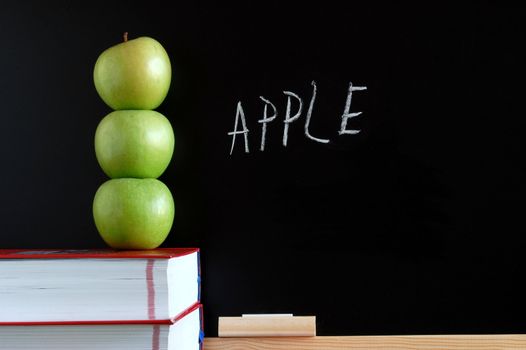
{"x":134,"y":145}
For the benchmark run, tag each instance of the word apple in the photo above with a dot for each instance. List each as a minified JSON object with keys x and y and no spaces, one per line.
{"x":289,"y":118}
{"x":134,"y":74}
{"x":133,"y":213}
{"x":134,"y":143}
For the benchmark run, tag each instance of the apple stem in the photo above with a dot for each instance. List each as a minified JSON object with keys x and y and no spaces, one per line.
{"x":125,"y":36}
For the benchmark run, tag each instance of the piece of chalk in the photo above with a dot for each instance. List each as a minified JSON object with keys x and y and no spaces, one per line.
{"x":267,"y":325}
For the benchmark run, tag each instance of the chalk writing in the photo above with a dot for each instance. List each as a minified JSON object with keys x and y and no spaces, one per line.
{"x":347,"y":114}
{"x":239,"y":114}
{"x":265,"y":120}
{"x":288,"y":119}
{"x":309,"y":114}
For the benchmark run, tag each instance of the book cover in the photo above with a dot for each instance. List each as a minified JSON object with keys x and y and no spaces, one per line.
{"x":159,"y":253}
{"x":185,"y":332}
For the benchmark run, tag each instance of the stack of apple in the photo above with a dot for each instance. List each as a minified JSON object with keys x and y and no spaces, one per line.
{"x":134,"y":145}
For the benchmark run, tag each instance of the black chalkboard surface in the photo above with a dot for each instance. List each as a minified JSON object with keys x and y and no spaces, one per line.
{"x":409,"y":223}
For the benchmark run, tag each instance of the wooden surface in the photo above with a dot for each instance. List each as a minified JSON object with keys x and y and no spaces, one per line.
{"x":485,"y":342}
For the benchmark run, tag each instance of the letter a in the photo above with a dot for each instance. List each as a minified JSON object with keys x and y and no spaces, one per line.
{"x":239,"y":114}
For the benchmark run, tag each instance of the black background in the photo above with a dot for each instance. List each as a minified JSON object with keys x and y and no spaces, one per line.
{"x":414,"y":226}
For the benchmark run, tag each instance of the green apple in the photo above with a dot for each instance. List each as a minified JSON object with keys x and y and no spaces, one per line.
{"x":134,"y":74}
{"x":134,"y":143}
{"x":133,"y":213}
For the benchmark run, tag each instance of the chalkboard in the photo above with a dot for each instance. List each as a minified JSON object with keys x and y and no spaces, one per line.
{"x":397,"y":209}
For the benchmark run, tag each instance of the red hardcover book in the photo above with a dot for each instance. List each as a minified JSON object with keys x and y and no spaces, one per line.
{"x":159,"y":253}
{"x":185,"y":332}
{"x":97,"y":285}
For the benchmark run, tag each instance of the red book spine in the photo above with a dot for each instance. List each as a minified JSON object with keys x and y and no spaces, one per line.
{"x":112,"y":322}
{"x":159,"y":253}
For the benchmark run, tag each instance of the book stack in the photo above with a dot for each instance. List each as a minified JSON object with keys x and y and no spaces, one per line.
{"x":104,"y":299}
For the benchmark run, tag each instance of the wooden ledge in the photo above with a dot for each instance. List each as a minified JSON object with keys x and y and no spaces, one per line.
{"x":420,"y":342}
